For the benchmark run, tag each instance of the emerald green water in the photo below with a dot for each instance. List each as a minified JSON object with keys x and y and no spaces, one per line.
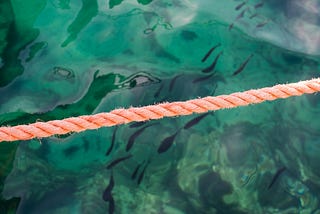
{"x":62,"y":58}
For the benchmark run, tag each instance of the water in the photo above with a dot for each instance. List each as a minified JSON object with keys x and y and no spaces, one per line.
{"x":69,"y":58}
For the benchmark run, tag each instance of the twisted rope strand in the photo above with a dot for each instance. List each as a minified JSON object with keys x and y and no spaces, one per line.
{"x":158,"y":111}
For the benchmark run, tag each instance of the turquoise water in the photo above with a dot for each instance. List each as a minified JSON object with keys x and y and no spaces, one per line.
{"x":63,"y":58}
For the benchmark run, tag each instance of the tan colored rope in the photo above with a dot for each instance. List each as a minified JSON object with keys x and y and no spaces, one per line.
{"x":158,"y":111}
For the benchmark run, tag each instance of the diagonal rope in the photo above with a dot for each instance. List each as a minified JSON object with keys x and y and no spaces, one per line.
{"x":158,"y":111}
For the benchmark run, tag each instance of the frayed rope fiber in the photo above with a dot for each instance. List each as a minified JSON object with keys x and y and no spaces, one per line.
{"x":158,"y":111}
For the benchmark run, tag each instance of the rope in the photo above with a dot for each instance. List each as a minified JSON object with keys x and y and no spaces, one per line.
{"x":158,"y":111}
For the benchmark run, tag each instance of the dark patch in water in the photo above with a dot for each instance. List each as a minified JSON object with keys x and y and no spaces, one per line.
{"x":276,"y":197}
{"x":212,"y":189}
{"x":89,"y":109}
{"x":86,"y":145}
{"x":164,"y":54}
{"x":181,"y":199}
{"x":51,"y":200}
{"x":188,"y":35}
{"x":70,"y":151}
{"x":292,"y":59}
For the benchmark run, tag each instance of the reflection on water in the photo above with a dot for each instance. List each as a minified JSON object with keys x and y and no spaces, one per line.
{"x":65,"y":58}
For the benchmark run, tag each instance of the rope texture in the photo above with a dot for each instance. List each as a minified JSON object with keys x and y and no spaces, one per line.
{"x":158,"y":111}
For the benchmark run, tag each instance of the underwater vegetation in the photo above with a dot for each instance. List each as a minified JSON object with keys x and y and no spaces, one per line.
{"x":64,"y":58}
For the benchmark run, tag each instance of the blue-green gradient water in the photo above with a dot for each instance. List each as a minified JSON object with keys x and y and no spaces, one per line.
{"x":63,"y":58}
